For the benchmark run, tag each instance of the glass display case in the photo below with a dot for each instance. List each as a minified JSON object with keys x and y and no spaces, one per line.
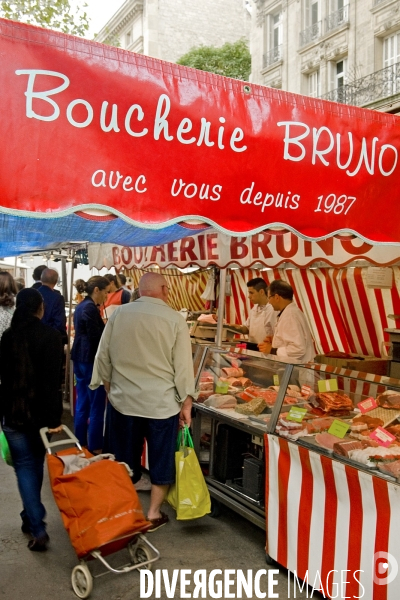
{"x":348,"y":416}
{"x":237,"y":393}
{"x":197,"y":357}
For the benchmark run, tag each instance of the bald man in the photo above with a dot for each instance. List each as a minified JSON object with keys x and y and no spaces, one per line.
{"x":54,"y":304}
{"x":145,"y":362}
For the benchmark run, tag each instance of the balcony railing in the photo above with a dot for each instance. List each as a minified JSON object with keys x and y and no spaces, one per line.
{"x":311,"y":33}
{"x":336,"y":19}
{"x":381,"y":84}
{"x":272,"y":56}
{"x":331,"y":22}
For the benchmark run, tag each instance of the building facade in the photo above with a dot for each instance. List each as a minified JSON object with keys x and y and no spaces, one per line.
{"x":167,"y":29}
{"x":347,"y":51}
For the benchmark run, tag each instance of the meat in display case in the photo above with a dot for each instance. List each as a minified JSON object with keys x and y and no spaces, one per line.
{"x":351,"y":416}
{"x":336,"y":464}
{"x":237,"y":393}
{"x":311,"y":453}
{"x":246,"y":384}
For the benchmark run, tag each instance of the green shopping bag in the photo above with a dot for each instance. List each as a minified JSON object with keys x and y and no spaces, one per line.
{"x":189,"y":495}
{"x":5,"y":450}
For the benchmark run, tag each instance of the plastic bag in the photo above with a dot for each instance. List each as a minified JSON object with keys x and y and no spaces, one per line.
{"x":5,"y":450}
{"x":189,"y":496}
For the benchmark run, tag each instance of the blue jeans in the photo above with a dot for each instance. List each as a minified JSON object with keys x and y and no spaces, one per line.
{"x":90,"y":406}
{"x":27,"y":452}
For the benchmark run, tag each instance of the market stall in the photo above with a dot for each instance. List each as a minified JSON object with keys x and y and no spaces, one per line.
{"x":345,"y":287}
{"x":108,"y":146}
{"x":324,"y":515}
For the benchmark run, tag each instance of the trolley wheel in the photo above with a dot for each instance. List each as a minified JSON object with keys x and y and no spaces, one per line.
{"x":82,"y":581}
{"x":140,"y":553}
{"x":215,"y":508}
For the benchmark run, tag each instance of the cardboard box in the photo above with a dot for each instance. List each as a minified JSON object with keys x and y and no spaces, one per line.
{"x":369,"y":364}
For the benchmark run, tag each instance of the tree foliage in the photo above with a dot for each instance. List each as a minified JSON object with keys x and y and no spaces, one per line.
{"x":231,"y":60}
{"x":52,"y":14}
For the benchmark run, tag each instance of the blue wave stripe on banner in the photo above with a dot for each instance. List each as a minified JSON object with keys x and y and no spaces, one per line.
{"x":22,"y":234}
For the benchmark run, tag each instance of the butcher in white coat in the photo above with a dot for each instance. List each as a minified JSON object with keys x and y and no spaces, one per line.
{"x":262,"y":317}
{"x":292,"y":337}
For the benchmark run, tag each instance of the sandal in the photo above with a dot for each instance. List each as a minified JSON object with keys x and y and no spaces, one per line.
{"x":157,"y":523}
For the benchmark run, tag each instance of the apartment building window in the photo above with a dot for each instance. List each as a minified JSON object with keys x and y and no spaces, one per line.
{"x":391,"y":65}
{"x":276,"y":30}
{"x":391,"y":50}
{"x":336,"y":5}
{"x":340,"y":73}
{"x":312,"y":12}
{"x":313,"y":28}
{"x":338,"y":14}
{"x":314,"y":89}
{"x":274,"y":39}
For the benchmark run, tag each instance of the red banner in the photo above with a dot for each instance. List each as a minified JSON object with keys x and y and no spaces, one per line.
{"x":87,"y":126}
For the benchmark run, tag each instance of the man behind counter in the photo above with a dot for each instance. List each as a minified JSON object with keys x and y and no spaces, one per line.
{"x":262,"y":317}
{"x":292,"y":338}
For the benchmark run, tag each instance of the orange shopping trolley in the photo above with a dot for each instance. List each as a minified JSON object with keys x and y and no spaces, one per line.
{"x":100,"y":510}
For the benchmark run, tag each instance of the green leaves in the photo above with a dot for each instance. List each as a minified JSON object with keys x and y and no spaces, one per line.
{"x":230,"y":60}
{"x":51,"y":14}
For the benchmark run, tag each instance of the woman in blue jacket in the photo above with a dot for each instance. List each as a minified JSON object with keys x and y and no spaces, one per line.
{"x":89,"y":326}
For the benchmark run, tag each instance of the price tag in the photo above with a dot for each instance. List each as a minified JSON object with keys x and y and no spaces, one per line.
{"x":327,"y":385}
{"x":382,"y":436}
{"x":221,"y":387}
{"x":338,"y":428}
{"x":367,"y":405}
{"x":306,"y":391}
{"x":296,"y":414}
{"x":276,"y":379}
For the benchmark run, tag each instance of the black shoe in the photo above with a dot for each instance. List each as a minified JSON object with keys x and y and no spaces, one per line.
{"x":39,"y":544}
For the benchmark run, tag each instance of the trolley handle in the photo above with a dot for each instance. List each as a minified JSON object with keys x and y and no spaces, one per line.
{"x":49,"y":445}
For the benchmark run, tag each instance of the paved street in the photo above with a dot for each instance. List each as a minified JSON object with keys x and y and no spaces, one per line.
{"x":228,"y":542}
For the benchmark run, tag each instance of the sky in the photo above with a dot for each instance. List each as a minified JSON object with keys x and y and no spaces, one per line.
{"x":99,"y":12}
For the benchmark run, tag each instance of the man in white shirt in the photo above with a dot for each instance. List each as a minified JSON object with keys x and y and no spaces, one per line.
{"x":262,"y":318}
{"x":292,"y":338}
{"x":145,"y":362}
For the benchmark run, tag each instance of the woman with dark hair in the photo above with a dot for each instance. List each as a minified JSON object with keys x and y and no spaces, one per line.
{"x":8,"y":291}
{"x":31,"y":355}
{"x":116,"y":296}
{"x":79,"y":285}
{"x":89,"y":326}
